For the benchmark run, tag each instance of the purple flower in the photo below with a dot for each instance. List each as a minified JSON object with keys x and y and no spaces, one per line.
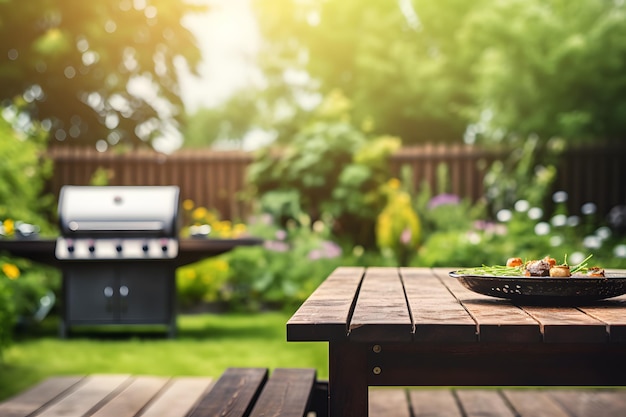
{"x":329,"y":250}
{"x":276,"y":246}
{"x":405,"y":237}
{"x":490,"y":227}
{"x":264,"y":219}
{"x":442,"y":199}
{"x":281,"y":235}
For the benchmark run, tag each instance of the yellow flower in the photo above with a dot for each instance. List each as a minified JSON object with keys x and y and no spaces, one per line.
{"x":394,"y":184}
{"x":188,"y":205}
{"x":199,"y":213}
{"x":11,"y":271}
{"x":239,"y":229}
{"x":9,"y":227}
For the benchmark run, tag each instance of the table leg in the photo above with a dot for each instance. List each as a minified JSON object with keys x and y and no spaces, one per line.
{"x":347,"y":382}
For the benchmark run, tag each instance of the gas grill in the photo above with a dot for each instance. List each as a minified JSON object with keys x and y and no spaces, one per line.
{"x":118,"y":252}
{"x":117,"y":247}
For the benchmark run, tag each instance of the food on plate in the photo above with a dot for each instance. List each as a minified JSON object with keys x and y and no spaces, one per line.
{"x":513,"y":262}
{"x":546,"y":267}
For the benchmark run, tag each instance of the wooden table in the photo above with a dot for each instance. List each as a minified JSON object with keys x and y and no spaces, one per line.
{"x":420,"y":327}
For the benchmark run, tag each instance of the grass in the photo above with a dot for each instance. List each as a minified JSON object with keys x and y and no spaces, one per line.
{"x":206,"y":345}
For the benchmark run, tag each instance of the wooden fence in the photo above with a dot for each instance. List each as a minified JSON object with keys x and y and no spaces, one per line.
{"x":217,"y":179}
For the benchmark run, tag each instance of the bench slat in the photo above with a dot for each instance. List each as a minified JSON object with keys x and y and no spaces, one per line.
{"x":484,"y":403}
{"x":536,"y":403}
{"x":38,"y":396}
{"x":287,"y":393}
{"x":433,"y":403}
{"x":88,"y":395}
{"x":234,"y":393}
{"x":388,"y":402}
{"x":178,"y":397}
{"x":133,"y":398}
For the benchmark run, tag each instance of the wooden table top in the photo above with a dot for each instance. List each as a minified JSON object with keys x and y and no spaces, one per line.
{"x":377,"y":305}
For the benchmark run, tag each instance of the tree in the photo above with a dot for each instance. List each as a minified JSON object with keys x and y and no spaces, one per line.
{"x":96,"y":71}
{"x":548,"y":67}
{"x":453,"y":69}
{"x":396,"y":62}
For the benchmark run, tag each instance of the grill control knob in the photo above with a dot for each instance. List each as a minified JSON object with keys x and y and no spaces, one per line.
{"x":145,"y":247}
{"x":92,"y":248}
{"x":118,"y":248}
{"x":70,"y":247}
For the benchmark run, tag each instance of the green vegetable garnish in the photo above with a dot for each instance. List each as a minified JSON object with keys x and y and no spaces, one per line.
{"x":514,"y":271}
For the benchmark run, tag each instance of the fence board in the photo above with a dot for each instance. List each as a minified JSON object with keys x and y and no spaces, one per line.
{"x":215,"y":179}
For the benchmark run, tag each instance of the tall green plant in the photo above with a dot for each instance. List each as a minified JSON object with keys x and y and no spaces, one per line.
{"x":329,"y":167}
{"x":23,"y":171}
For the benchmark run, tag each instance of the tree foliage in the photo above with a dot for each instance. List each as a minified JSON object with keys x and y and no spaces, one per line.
{"x":453,"y":69}
{"x":555,"y":68}
{"x":97,"y":70}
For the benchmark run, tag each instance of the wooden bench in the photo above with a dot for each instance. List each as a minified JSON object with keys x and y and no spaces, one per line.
{"x":248,"y":392}
{"x":239,"y":392}
{"x":288,"y":392}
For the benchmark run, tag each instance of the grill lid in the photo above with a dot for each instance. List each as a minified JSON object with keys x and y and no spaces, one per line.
{"x":118,"y":211}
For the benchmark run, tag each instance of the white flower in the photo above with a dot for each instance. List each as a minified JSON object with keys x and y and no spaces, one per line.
{"x":559,"y":197}
{"x":522,"y":206}
{"x":588,"y":208}
{"x":573,"y":221}
{"x":592,"y":242}
{"x":504,"y":215}
{"x":603,"y":232}
{"x":556,"y":241}
{"x":575,"y":258}
{"x":535,"y":213}
{"x":542,"y":228}
{"x":559,"y":220}
{"x":620,"y":251}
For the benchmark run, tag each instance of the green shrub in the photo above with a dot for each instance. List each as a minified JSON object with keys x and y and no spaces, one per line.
{"x":330,"y":167}
{"x":23,"y":208}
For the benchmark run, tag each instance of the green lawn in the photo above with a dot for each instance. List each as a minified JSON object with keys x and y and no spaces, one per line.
{"x":207,"y":344}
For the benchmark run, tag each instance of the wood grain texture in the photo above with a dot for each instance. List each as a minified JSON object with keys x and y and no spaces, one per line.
{"x":133,"y":398}
{"x":287,"y":394}
{"x":596,"y":403}
{"x":92,"y":392}
{"x":38,"y":396}
{"x":497,"y":320}
{"x":389,"y":403}
{"x":326,"y":313}
{"x":181,"y":393}
{"x":535,"y":402}
{"x":178,"y":397}
{"x":484,"y":403}
{"x":437,"y":314}
{"x":381,"y":312}
{"x":233,"y":394}
{"x":434,"y":403}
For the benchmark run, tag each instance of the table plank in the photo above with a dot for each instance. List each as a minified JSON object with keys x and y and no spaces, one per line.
{"x":325,"y":314}
{"x":498,"y":320}
{"x":437,"y":314}
{"x":381,"y":312}
{"x":179,"y":397}
{"x":611,"y":312}
{"x":568,"y":325}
